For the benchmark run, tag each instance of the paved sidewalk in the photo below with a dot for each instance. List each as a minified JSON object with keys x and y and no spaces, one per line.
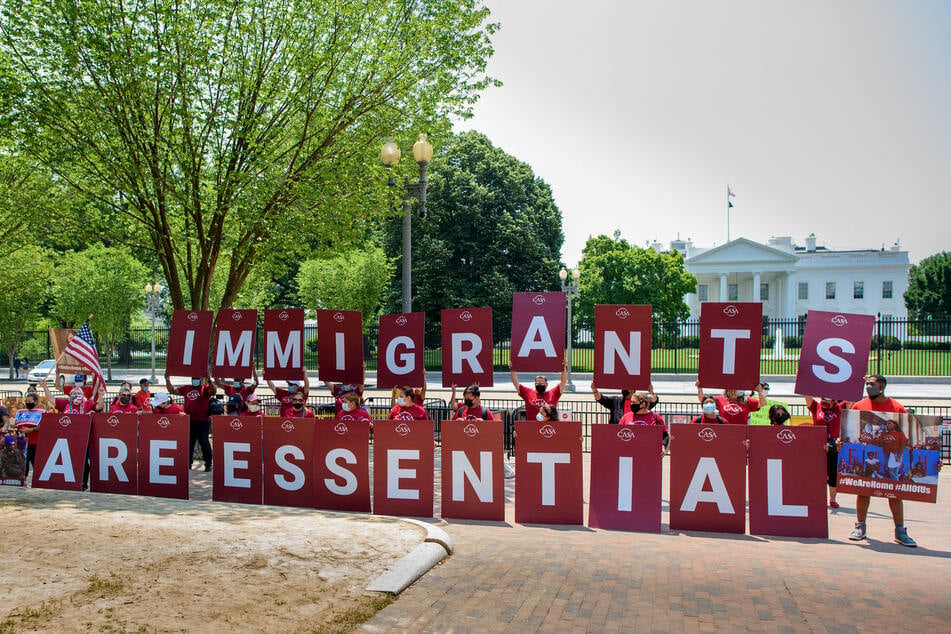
{"x":505,"y":577}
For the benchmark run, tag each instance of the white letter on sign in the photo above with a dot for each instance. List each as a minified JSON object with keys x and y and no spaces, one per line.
{"x":774,"y":492}
{"x":537,"y":338}
{"x":458,"y":354}
{"x":281,"y":459}
{"x":729,"y":346}
{"x":231,"y":464}
{"x":349,"y":479}
{"x":156,"y":461}
{"x":107,"y":462}
{"x":613,"y":348}
{"x":463,"y":470}
{"x":707,"y":468}
{"x":238,"y":354}
{"x":394,"y":474}
{"x":843,"y":367}
{"x":548,"y":462}
{"x":625,"y":483}
{"x":408,"y":359}
{"x":59,"y":462}
{"x":276,"y":356}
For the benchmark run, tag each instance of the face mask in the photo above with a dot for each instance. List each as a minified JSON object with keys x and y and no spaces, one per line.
{"x":124,"y":399}
{"x":780,"y":419}
{"x":238,"y":385}
{"x":540,"y":388}
{"x":196,"y":382}
{"x":540,"y":417}
{"x":469,"y":402}
{"x":254,"y":408}
{"x":347,"y":406}
{"x":298,"y":406}
{"x":291,"y":388}
{"x":30,"y":404}
{"x":873,"y":391}
{"x":709,"y":408}
{"x":635,"y":406}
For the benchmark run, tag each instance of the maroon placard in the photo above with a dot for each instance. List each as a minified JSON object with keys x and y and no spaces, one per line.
{"x":113,"y":454}
{"x":549,"y":486}
{"x":189,"y":340}
{"x":342,"y":465}
{"x":708,"y":478}
{"x":340,"y":345}
{"x":834,"y":355}
{"x":403,"y":468}
{"x":538,"y":331}
{"x":284,"y":344}
{"x":61,"y":451}
{"x":473,"y":485}
{"x":467,"y":346}
{"x":163,"y":456}
{"x":237,"y":454}
{"x":788,"y":481}
{"x":626,"y":475}
{"x":289,"y":461}
{"x":622,"y":346}
{"x":234,"y":343}
{"x":731,"y":337}
{"x":400,"y":350}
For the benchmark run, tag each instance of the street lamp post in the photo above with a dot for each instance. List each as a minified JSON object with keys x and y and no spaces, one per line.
{"x":422,"y":154}
{"x":570,"y":287}
{"x":153,"y":301}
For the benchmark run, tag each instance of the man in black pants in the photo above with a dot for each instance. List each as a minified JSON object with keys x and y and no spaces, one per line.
{"x":197,"y":396}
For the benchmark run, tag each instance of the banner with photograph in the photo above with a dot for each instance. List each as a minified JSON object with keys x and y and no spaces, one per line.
{"x":538,"y":332}
{"x":890,"y":455}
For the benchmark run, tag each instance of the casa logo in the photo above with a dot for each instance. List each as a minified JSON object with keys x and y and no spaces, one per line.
{"x":538,"y":300}
{"x":236,"y":316}
{"x":338,"y":317}
{"x":732,"y":408}
{"x":707,"y":434}
{"x":287,"y":426}
{"x":192,"y":317}
{"x":786,"y":436}
{"x":402,"y":320}
{"x":547,"y":431}
{"x":164,"y":423}
{"x":193,"y":395}
{"x":283,"y":315}
{"x":402,"y":429}
{"x":64,"y":421}
{"x":623,"y":313}
{"x":471,"y":430}
{"x":341,"y":429}
{"x":625,"y":434}
{"x":465,"y":315}
{"x":731,"y":311}
{"x":113,"y":421}
{"x":839,"y":320}
{"x":236,"y":424}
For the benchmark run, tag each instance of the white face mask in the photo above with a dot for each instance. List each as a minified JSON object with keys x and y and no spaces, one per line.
{"x":347,"y":406}
{"x":540,"y":417}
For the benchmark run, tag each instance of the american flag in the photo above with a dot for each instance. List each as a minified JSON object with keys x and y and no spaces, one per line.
{"x":83,"y":348}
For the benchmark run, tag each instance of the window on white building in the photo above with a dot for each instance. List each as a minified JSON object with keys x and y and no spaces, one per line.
{"x":764,"y":292}
{"x":830,"y":290}
{"x":702,"y":292}
{"x":887,"y":289}
{"x":858,"y":290}
{"x":803,"y":290}
{"x":733,"y":293}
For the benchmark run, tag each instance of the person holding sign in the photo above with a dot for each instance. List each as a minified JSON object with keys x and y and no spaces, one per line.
{"x":709,"y":413}
{"x":285,"y":396}
{"x":407,"y":409}
{"x":735,"y":407}
{"x":352,"y":409}
{"x":471,"y":406}
{"x":123,"y":403}
{"x":27,"y":423}
{"x":828,"y":412}
{"x":541,"y":395}
{"x":640,"y":414}
{"x":198,"y":395}
{"x":237,"y":386}
{"x":299,"y":407}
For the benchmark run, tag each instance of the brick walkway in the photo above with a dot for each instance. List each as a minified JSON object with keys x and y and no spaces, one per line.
{"x":515,"y":578}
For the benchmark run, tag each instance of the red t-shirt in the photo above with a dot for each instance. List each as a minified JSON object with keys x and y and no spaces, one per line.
{"x":142,"y":398}
{"x":892,"y":441}
{"x":473,"y":413}
{"x":63,"y":407}
{"x":87,"y":390}
{"x":171,"y":409}
{"x":888,"y":405}
{"x":196,"y":400}
{"x":304,"y":412}
{"x":650,"y":418}
{"x":533,"y":401}
{"x":119,"y":408}
{"x":736,"y":413}
{"x":357,"y":414}
{"x":413,"y":412}
{"x":284,"y":396}
{"x":245,"y":391}
{"x":831,"y":417}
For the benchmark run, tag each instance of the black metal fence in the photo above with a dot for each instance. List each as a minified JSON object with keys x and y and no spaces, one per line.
{"x":899,"y":347}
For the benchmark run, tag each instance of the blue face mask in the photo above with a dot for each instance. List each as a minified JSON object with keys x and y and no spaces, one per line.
{"x":709,"y":408}
{"x":196,"y":382}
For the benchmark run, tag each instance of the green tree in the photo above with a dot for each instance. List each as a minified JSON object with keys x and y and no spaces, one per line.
{"x":355,"y":280}
{"x":493,"y":229}
{"x":237,"y":130}
{"x":27,"y":274}
{"x":613,"y":271}
{"x":105,"y":282}
{"x":929,"y":288}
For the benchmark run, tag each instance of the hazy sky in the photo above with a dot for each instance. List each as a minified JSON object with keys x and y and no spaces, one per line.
{"x":831,"y":116}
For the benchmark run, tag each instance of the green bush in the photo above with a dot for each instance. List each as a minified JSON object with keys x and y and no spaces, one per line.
{"x":940,"y":346}
{"x":886,"y":342}
{"x":792,"y":342}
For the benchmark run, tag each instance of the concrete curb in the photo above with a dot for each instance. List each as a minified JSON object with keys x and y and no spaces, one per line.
{"x":436,"y":546}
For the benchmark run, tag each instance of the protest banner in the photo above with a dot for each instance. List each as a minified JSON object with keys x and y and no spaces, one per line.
{"x":163,"y":455}
{"x":340,"y":346}
{"x":467,"y":346}
{"x":66,"y":364}
{"x":237,"y":454}
{"x":834,"y":355}
{"x":622,"y":346}
{"x":731,"y":336}
{"x":400,"y":350}
{"x":538,"y":326}
{"x":189,"y":339}
{"x":473,"y":485}
{"x":113,"y":454}
{"x":626,"y":475}
{"x":708,"y":478}
{"x":787,"y":475}
{"x":288,"y":447}
{"x":890,"y":455}
{"x":61,"y":451}
{"x":550,"y":486}
{"x":235,"y":331}
{"x":403,"y":465}
{"x":284,"y":344}
{"x":342,"y":465}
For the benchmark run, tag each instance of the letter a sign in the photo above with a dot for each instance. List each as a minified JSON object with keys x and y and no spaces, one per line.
{"x":538,"y":331}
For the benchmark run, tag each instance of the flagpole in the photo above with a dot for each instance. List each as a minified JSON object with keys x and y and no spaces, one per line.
{"x":728,"y":212}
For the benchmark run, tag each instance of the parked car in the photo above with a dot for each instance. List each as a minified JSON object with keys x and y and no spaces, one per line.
{"x":39,"y":372}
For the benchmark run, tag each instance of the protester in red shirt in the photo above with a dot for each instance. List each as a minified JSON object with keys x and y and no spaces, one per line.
{"x":27,"y":423}
{"x":408,"y":410}
{"x":123,"y":404}
{"x":471,"y":406}
{"x":351,"y":409}
{"x":79,"y":381}
{"x":197,"y":396}
{"x":299,"y":407}
{"x":735,"y":407}
{"x":534,"y":398}
{"x":76,"y":403}
{"x":828,"y":412}
{"x":709,"y":414}
{"x":237,"y":386}
{"x":419,"y":395}
{"x":284,"y":396}
{"x":162,"y":404}
{"x":143,"y":396}
{"x":640,"y":414}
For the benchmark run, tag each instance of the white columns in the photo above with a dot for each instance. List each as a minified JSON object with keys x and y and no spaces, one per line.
{"x":756,"y":283}
{"x":723,"y":296}
{"x":789,"y":296}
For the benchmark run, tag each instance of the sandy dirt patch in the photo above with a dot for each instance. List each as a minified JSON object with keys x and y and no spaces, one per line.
{"x":104,"y":562}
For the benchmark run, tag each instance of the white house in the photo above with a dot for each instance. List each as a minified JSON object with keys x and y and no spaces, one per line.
{"x":791,"y":279}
